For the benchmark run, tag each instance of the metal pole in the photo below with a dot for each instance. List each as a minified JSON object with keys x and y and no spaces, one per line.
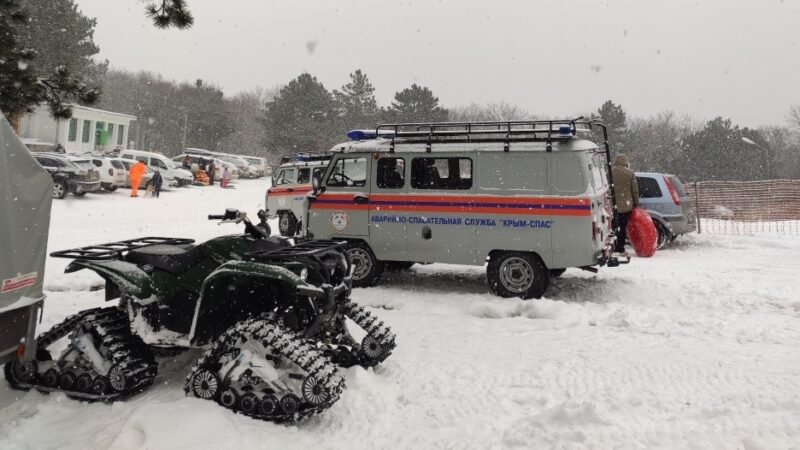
{"x":697,"y":205}
{"x":185,"y":127}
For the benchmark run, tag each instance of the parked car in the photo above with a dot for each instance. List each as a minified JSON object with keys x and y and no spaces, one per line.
{"x":148,"y":174}
{"x":173,"y":176}
{"x":666,"y":200}
{"x":245,"y":170}
{"x":194,"y":160}
{"x":112,"y":172}
{"x":70,"y":174}
{"x":256,"y":163}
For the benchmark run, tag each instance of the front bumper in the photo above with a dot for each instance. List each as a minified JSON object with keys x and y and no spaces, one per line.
{"x":86,"y":186}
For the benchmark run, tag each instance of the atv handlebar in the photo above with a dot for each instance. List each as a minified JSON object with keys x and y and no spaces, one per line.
{"x":216,"y":217}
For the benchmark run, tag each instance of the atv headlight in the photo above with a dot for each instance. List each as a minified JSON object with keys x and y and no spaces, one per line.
{"x":304,"y":274}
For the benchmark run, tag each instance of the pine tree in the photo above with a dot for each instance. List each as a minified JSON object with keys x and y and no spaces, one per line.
{"x":62,"y":36}
{"x":22,"y":87}
{"x":357,"y":102}
{"x":416,"y":104}
{"x":301,"y":118}
{"x":170,"y":13}
{"x":615,"y":120}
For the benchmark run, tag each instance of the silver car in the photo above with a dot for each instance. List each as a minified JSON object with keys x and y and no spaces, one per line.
{"x":666,"y":200}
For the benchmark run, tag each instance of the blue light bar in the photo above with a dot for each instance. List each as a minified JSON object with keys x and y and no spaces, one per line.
{"x":363,"y":135}
{"x":565,"y":130}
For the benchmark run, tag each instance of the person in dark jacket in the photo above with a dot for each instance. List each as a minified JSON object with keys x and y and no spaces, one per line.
{"x":156,"y":182}
{"x":626,"y":193}
{"x":211,"y":169}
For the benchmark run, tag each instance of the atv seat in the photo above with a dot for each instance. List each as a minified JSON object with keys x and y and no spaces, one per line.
{"x":170,"y":258}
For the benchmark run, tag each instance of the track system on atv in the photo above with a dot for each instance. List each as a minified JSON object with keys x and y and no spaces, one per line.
{"x":102,"y":361}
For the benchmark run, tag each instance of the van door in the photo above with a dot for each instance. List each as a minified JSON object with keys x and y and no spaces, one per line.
{"x":279,"y":196}
{"x":437,"y":204}
{"x":387,"y":217}
{"x":343,"y":209}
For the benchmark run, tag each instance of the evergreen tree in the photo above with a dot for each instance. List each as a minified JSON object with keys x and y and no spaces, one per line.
{"x":301,"y":118}
{"x":170,"y":13}
{"x":357,"y":102}
{"x":416,"y":104}
{"x":22,"y":87}
{"x":61,"y":36}
{"x":717,"y":153}
{"x":615,"y":119}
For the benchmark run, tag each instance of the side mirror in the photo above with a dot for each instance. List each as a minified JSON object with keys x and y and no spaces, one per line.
{"x":316,"y":184}
{"x":274,"y":183}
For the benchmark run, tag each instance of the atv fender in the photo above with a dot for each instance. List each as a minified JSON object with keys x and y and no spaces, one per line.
{"x":207,"y":322}
{"x":128,"y":278}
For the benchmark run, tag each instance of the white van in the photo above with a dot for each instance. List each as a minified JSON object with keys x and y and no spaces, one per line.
{"x":291,"y":181}
{"x":172,"y":175}
{"x":529,"y":198}
{"x":258,"y":165}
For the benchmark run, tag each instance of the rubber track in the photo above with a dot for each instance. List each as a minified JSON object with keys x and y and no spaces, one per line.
{"x":110,"y":326}
{"x":374,"y":327}
{"x":288,"y":345}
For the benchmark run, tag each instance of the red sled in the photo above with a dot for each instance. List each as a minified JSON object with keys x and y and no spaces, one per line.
{"x":642,"y":233}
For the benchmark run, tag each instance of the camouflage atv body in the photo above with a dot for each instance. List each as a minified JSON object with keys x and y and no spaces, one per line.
{"x":271,"y":315}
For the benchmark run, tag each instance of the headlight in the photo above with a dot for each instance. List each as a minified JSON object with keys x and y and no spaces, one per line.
{"x":304,"y":274}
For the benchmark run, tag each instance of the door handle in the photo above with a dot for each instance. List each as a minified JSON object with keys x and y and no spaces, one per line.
{"x":360,"y":199}
{"x":426,"y":232}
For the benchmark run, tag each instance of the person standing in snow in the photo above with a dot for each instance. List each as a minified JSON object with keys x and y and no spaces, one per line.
{"x":136,"y":172}
{"x":626,"y":193}
{"x":211,"y":169}
{"x":156,"y":182}
{"x":226,"y":175}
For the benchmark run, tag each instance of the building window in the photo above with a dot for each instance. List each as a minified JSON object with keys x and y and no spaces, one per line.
{"x":120,"y":133}
{"x":390,"y":173}
{"x":110,"y":133}
{"x":441,"y":173}
{"x":87,"y":131}
{"x":72,"y":136}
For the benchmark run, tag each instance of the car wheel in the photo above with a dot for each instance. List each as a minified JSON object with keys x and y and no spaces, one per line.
{"x":79,"y":194}
{"x":367,"y":269}
{"x":111,"y":188}
{"x":517,"y":274}
{"x":664,"y":235}
{"x":59,"y":189}
{"x":287,"y":224}
{"x":178,"y":182}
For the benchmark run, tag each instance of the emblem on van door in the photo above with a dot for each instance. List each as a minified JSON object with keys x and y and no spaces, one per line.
{"x":339,"y":220}
{"x":282,"y":201}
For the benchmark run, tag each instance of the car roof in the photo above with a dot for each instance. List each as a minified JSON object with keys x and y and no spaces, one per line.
{"x":653,"y":174}
{"x":383,"y":145}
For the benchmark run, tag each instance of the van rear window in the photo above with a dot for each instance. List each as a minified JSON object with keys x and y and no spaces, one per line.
{"x":648,"y":187}
{"x":441,"y":173}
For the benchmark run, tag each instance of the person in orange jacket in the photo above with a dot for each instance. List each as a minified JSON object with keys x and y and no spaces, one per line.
{"x":136,"y":172}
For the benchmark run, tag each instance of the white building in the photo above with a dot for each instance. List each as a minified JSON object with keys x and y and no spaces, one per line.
{"x":89,"y":129}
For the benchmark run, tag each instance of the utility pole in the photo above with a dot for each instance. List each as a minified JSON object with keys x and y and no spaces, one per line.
{"x":185,"y":128}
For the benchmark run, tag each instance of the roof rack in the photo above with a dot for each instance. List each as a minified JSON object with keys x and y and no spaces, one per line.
{"x":301,"y":248}
{"x":503,"y":132}
{"x":114,"y":250}
{"x":304,"y":157}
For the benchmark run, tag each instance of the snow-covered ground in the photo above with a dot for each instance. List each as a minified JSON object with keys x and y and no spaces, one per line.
{"x":698,"y":346}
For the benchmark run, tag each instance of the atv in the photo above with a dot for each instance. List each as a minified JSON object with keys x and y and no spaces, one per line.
{"x":269,"y":312}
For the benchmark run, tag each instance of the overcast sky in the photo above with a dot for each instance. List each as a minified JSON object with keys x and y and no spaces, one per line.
{"x":735,"y":58}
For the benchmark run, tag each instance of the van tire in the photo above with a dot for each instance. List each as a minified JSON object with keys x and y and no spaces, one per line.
{"x":517,"y":274}
{"x":369,"y":269}
{"x":287,"y":224}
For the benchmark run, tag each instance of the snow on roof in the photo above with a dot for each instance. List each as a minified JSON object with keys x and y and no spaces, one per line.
{"x":103,"y":111}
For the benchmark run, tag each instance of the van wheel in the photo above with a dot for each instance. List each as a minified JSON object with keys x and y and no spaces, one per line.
{"x":398,"y":265}
{"x":367,"y":269}
{"x":287,"y":224}
{"x":79,"y":194}
{"x":664,"y":235}
{"x":59,"y":189}
{"x":517,"y":274}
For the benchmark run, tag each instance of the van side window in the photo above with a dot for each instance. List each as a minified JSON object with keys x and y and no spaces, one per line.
{"x":348,"y":172}
{"x":142,"y":159}
{"x":441,"y":173}
{"x":158,"y":163}
{"x":648,"y":187}
{"x":304,"y":176}
{"x":391,"y":173}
